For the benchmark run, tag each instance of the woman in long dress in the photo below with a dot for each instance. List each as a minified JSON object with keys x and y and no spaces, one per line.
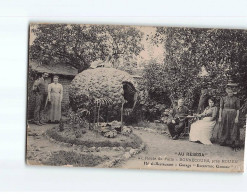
{"x":55,"y":96}
{"x":201,"y":130}
{"x":228,"y":133}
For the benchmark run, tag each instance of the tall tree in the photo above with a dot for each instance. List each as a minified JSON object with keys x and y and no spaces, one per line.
{"x":80,"y":45}
{"x":187,"y":50}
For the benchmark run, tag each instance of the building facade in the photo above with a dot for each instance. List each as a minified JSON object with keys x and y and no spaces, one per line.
{"x":66,"y":75}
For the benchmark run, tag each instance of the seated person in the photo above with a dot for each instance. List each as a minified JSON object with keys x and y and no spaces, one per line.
{"x":201,"y":130}
{"x":177,"y":124}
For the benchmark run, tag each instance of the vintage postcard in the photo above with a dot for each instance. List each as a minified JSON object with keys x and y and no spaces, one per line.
{"x":136,"y":97}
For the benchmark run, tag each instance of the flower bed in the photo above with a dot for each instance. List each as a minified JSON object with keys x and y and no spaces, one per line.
{"x":94,"y":139}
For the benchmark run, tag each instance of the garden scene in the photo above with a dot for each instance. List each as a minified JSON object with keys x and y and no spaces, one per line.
{"x":119,"y":86}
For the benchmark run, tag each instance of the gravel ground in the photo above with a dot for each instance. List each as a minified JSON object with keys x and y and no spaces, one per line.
{"x":160,"y":145}
{"x":40,"y":150}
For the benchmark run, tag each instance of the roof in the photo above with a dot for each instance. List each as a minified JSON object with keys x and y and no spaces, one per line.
{"x":59,"y":69}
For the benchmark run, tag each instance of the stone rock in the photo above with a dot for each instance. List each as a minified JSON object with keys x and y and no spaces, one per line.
{"x":111,"y":134}
{"x":121,"y":148}
{"x":133,"y":151}
{"x":150,"y":130}
{"x":93,"y":148}
{"x":99,"y":149}
{"x":126,"y":155}
{"x":142,"y":147}
{"x":128,"y":148}
{"x":126,"y":130}
{"x":115,"y":124}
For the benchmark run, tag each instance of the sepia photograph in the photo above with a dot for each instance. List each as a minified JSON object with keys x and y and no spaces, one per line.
{"x":136,"y":97}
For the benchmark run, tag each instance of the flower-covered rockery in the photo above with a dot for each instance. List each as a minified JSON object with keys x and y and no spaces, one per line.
{"x":93,"y":84}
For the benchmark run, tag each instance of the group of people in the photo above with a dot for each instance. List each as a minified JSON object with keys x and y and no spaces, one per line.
{"x":212,"y":125}
{"x":47,"y":96}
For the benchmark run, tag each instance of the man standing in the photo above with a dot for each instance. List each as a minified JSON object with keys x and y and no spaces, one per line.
{"x":40,"y":89}
{"x":177,"y":125}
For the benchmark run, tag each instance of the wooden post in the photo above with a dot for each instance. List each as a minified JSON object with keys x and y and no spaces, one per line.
{"x":94,"y":116}
{"x":98,"y":115}
{"x":107,"y":120}
{"x":122,"y":116}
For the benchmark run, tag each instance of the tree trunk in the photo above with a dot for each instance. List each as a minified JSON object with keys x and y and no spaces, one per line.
{"x":94,"y":116}
{"x":98,"y":115}
{"x":174,"y":104}
{"x":122,"y":116}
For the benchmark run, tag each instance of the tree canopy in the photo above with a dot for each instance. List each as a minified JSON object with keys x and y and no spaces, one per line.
{"x":221,"y":52}
{"x":80,"y":45}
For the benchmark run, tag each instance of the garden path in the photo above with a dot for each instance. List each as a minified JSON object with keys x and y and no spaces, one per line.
{"x":157,"y":145}
{"x":37,"y":144}
{"x":160,"y":145}
{"x":39,"y":148}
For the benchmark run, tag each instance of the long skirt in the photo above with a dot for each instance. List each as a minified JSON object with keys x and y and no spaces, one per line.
{"x":202,"y":130}
{"x":55,"y":108}
{"x":227,"y":131}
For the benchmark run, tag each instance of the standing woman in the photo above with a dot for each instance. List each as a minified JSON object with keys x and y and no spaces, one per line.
{"x":55,"y":96}
{"x":228,"y":129}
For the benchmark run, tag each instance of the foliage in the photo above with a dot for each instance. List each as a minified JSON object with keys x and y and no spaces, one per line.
{"x":187,"y":50}
{"x":78,"y":121}
{"x":243,"y":109}
{"x":32,"y":76}
{"x":152,"y":110}
{"x":153,"y":96}
{"x":154,"y":76}
{"x":78,"y":117}
{"x":79,"y":45}
{"x":65,"y":109}
{"x":75,"y":159}
{"x":106,"y":101}
{"x":93,"y":84}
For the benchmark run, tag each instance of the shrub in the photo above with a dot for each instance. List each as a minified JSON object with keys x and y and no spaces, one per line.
{"x":99,"y":83}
